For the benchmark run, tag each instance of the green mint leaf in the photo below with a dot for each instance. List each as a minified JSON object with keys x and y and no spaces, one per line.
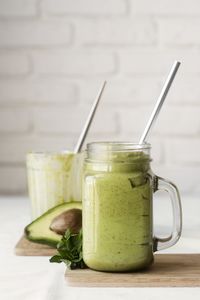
{"x":70,"y":251}
{"x":55,"y":259}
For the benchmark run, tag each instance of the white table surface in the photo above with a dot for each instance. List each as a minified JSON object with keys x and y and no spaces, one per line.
{"x":27,"y":278}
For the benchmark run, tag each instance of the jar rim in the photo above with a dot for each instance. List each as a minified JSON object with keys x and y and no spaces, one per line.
{"x":117,"y":146}
{"x":48,"y":153}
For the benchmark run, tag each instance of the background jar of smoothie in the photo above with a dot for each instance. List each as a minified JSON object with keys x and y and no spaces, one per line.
{"x":53,"y":178}
{"x":118,"y":186}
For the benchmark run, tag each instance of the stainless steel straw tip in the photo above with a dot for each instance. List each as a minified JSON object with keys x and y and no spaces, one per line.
{"x":160,"y":101}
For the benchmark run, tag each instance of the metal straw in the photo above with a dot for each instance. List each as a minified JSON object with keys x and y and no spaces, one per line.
{"x":84,"y":132}
{"x":160,"y":101}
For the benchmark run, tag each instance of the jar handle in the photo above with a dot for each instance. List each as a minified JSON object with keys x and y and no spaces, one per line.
{"x":161,"y":184}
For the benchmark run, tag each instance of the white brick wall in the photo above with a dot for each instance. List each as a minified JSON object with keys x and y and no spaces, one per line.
{"x":122,"y":92}
{"x":13,"y":179}
{"x":73,"y":63}
{"x":177,"y":31}
{"x":39,"y":91}
{"x":118,"y":32}
{"x":14,"y":121}
{"x":34,"y":34}
{"x":158,"y":61}
{"x":18,"y":8}
{"x":12,"y":64}
{"x":189,"y":153}
{"x":85,"y":8}
{"x":162,"y":7}
{"x":54,"y":55}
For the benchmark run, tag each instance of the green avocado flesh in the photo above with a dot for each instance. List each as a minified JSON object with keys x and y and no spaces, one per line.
{"x":39,"y":230}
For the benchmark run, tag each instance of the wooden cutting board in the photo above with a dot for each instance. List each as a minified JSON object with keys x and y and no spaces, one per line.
{"x":26,"y":248}
{"x":168,"y":270}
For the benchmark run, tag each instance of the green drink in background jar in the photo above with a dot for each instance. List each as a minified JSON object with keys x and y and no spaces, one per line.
{"x":53,"y":178}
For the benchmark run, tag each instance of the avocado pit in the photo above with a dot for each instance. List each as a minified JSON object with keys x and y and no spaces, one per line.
{"x":70,"y":219}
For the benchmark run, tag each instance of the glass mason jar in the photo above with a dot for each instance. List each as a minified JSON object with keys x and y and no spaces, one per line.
{"x":53,"y":178}
{"x":118,"y":187}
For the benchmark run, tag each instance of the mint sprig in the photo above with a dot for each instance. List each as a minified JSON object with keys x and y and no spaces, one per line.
{"x":70,"y":251}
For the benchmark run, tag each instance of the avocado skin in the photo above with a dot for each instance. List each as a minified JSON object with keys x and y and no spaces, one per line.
{"x":44,"y":241}
{"x":38,"y":231}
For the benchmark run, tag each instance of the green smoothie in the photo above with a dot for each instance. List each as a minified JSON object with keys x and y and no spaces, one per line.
{"x":117,"y":212}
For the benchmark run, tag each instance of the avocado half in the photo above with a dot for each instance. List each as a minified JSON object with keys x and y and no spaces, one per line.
{"x":39,"y":231}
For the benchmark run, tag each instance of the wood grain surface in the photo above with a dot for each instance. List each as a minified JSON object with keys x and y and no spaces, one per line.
{"x":168,"y":270}
{"x":26,"y":248}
